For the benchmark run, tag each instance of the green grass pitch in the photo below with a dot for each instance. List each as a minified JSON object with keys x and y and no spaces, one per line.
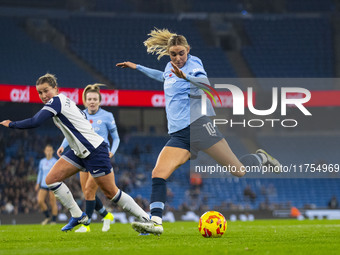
{"x":257,"y":237}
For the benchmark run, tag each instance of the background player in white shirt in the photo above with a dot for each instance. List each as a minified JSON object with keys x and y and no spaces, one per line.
{"x":88,"y":151}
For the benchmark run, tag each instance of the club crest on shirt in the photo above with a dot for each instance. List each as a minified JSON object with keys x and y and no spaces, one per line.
{"x":99,"y":122}
{"x":169,"y":82}
{"x":50,"y":102}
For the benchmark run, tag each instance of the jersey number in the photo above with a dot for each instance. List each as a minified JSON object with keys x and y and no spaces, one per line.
{"x":210,"y":128}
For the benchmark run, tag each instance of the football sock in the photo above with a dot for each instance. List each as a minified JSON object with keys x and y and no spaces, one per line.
{"x":129,"y":205}
{"x":263,"y":157}
{"x":54,"y":218}
{"x":252,"y":160}
{"x":46,"y":213}
{"x":90,"y":205}
{"x":158,"y":197}
{"x":64,"y":195}
{"x":100,"y":207}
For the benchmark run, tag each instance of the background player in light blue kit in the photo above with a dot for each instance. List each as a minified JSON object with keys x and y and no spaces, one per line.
{"x":190,"y":131}
{"x":103,"y":124}
{"x":45,"y":166}
{"x":88,"y":151}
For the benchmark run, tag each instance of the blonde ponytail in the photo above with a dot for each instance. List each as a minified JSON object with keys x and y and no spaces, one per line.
{"x":157,"y":43}
{"x":92,"y":88}
{"x":161,"y":40}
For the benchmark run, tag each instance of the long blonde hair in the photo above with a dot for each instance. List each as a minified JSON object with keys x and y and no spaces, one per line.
{"x":161,"y":40}
{"x":92,"y":88}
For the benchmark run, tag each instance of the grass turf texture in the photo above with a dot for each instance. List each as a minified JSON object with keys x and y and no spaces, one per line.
{"x":258,"y":237}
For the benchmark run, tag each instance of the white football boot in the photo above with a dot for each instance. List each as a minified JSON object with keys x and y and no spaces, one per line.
{"x":148,"y":227}
{"x":107,"y":221}
{"x":270,"y":160}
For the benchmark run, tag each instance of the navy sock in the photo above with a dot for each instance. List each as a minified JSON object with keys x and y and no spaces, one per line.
{"x":54,"y":218}
{"x":46,"y":213}
{"x":100,"y":207}
{"x":251,"y":160}
{"x":90,"y":205}
{"x":158,"y":196}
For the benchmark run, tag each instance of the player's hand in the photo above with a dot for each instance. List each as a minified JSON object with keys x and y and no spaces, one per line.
{"x":127,"y":64}
{"x":60,"y":151}
{"x":5,"y":123}
{"x":110,"y":154}
{"x":36,"y":187}
{"x":178,"y":72}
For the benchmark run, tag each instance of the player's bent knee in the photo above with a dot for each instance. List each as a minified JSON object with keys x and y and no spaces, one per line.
{"x":90,"y":194}
{"x":53,"y":186}
{"x":156,"y":173}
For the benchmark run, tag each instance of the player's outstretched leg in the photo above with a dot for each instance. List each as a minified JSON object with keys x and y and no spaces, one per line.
{"x":64,"y":195}
{"x":129,"y":205}
{"x":261,"y":158}
{"x":268,"y":159}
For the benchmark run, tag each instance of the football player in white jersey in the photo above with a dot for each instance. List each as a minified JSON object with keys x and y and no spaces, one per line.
{"x":104,"y":125}
{"x":88,"y":151}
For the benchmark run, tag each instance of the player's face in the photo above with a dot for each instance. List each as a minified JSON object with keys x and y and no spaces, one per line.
{"x":48,"y":152}
{"x":46,"y":92}
{"x":92,"y":102}
{"x":178,"y":55}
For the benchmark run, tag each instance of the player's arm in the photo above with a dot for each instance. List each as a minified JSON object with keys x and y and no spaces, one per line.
{"x":196,"y":78}
{"x":152,"y":73}
{"x":115,"y":141}
{"x":114,"y":135}
{"x":61,"y":148}
{"x":51,"y":108}
{"x":39,"y":118}
{"x":39,"y":177}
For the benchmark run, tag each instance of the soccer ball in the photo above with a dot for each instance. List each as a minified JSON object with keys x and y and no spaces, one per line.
{"x":212,"y":224}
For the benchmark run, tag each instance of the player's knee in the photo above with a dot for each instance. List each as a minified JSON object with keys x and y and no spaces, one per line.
{"x":90,"y":194}
{"x":159,"y":173}
{"x":53,"y":186}
{"x":49,"y":180}
{"x":41,"y":202}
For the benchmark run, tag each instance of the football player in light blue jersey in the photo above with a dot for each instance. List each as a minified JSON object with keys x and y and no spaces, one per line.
{"x":88,"y":151}
{"x":103,"y":124}
{"x":190,"y":131}
{"x":45,"y":166}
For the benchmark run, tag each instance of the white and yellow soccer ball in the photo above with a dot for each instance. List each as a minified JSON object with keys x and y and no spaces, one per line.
{"x":212,"y":224}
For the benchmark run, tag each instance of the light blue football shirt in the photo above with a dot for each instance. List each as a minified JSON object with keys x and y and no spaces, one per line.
{"x":181,"y":109}
{"x":103,"y":123}
{"x":45,"y":166}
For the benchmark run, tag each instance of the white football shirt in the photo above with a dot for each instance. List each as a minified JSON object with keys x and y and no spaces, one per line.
{"x":72,"y":122}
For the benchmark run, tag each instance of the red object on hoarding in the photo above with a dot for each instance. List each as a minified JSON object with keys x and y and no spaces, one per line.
{"x":146,"y":98}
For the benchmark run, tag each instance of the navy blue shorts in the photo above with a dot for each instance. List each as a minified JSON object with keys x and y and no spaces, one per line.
{"x":44,"y":188}
{"x":97,"y":163}
{"x":200,"y":135}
